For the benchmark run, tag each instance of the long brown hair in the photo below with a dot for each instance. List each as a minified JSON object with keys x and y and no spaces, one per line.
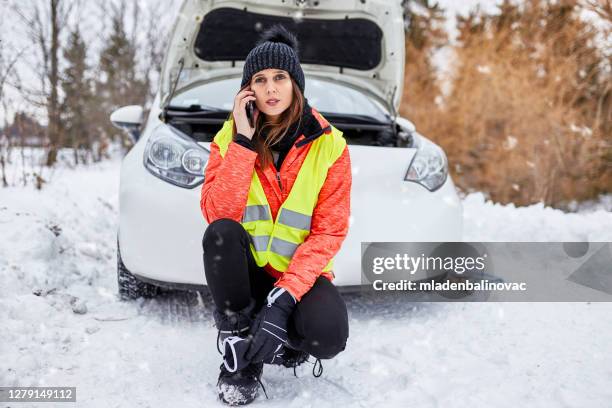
{"x":275,"y":132}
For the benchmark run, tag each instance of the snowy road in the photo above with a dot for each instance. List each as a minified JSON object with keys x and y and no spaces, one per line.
{"x":73,"y":332}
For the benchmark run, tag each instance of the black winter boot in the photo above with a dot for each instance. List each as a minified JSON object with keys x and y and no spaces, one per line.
{"x":239,"y":387}
{"x":293,"y":357}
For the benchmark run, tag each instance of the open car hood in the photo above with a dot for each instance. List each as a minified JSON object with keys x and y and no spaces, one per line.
{"x":356,"y":42}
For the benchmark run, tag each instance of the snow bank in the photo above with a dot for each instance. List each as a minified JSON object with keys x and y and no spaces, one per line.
{"x":488,"y":221}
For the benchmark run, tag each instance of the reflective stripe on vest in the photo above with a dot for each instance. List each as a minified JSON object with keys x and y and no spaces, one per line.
{"x":256,"y":213}
{"x":260,"y":242}
{"x":275,"y":241}
{"x":294,"y":219}
{"x":282,"y":247}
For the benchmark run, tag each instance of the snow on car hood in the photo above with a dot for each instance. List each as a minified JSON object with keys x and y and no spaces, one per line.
{"x":359,"y":43}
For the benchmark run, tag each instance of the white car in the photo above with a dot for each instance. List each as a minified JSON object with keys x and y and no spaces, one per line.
{"x":352,"y":54}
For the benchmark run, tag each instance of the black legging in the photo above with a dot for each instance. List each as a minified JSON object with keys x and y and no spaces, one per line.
{"x":319,"y":323}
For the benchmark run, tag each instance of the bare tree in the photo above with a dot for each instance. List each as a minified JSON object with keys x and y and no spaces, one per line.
{"x":603,"y":8}
{"x":154,"y":43}
{"x":603,"y":114}
{"x":8,"y":73}
{"x":44,"y":21}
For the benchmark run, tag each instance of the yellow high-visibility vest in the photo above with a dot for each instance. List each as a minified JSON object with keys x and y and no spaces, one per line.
{"x":276,"y":241}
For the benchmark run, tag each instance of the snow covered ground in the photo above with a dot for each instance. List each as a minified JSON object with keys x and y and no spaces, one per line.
{"x":62,"y":325}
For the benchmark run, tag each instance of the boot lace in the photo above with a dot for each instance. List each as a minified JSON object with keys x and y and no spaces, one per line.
{"x":294,"y":358}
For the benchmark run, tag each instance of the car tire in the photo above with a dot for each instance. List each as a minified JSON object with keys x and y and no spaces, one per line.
{"x":130,"y":287}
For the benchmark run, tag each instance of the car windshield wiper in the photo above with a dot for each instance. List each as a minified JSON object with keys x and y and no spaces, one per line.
{"x":195,"y":114}
{"x":356,"y":121}
{"x":355,"y":118}
{"x":194,"y":108}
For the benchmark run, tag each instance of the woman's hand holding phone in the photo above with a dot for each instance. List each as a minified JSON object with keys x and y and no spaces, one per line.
{"x":239,"y":112}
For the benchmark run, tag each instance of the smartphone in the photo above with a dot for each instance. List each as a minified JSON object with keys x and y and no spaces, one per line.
{"x":250,"y":112}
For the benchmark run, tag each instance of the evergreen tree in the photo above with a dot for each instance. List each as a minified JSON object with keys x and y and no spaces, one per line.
{"x":118,"y":83}
{"x":77,"y":104}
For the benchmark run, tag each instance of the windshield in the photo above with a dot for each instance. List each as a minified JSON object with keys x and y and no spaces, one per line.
{"x":324,"y":96}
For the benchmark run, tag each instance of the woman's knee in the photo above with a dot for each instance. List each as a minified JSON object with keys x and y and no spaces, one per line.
{"x":221,"y":230}
{"x":320,"y":321}
{"x":326,"y":341}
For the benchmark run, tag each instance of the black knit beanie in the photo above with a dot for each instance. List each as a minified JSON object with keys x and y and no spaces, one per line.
{"x":276,"y":48}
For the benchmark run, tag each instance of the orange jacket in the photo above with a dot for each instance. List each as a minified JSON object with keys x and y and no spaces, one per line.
{"x":226,"y":186}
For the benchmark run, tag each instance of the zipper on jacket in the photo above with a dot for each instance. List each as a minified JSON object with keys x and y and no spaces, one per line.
{"x":279,"y":180}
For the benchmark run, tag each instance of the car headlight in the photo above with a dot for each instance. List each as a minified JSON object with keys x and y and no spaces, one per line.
{"x":429,"y":166}
{"x":174,"y":157}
